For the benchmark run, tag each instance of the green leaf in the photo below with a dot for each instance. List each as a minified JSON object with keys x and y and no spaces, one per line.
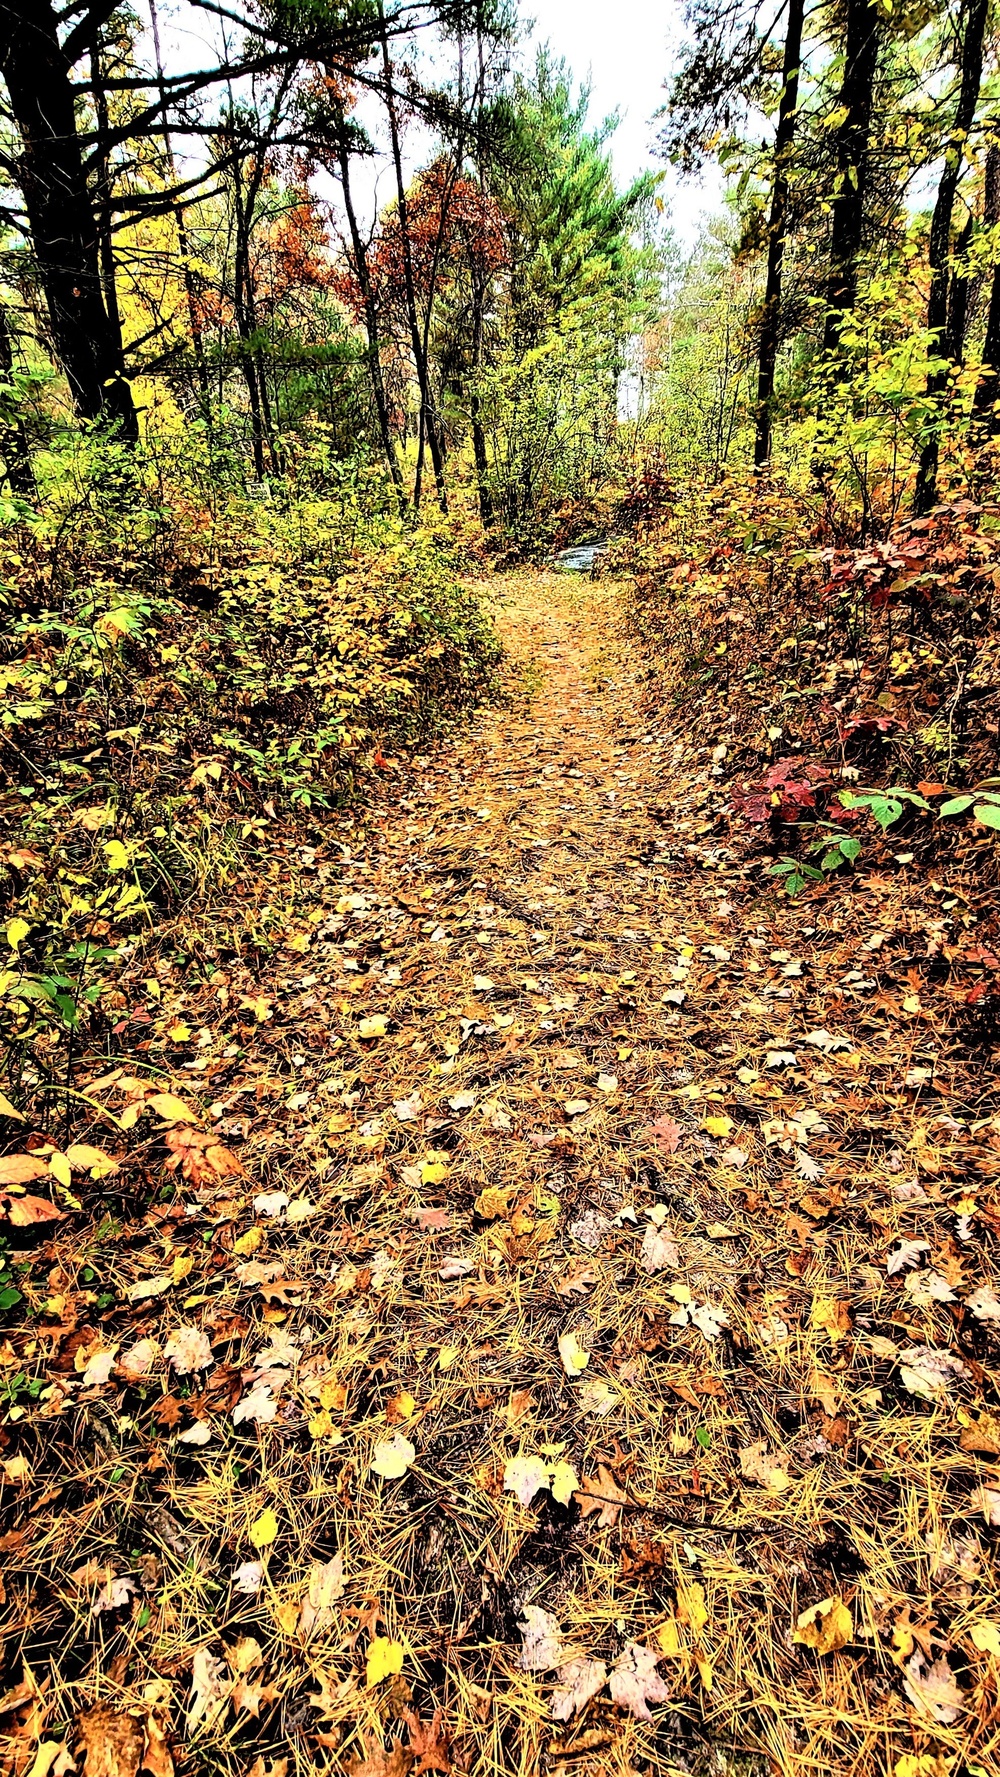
{"x":989,"y":814}
{"x":851,"y":849}
{"x":957,"y":805}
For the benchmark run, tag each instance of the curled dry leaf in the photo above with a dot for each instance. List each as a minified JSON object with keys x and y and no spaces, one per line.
{"x":929,"y":1372}
{"x":578,"y":1682}
{"x":541,"y":1636}
{"x":635,"y":1683}
{"x":323,"y":1588}
{"x":211,"y":1686}
{"x":188,"y":1350}
{"x":907,"y":1253}
{"x":933,"y":1689}
{"x":110,"y":1741}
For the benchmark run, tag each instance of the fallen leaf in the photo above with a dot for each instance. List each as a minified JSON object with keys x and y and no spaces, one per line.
{"x":374,"y":1026}
{"x":541,"y":1640}
{"x":602,"y":1494}
{"x":256,"y":1408}
{"x":110,"y":1741}
{"x":665,"y":1134}
{"x":578,"y":1682}
{"x":429,"y":1742}
{"x":757,"y":1465}
{"x":170,"y":1109}
{"x":20,"y":1169}
{"x":929,"y":1372}
{"x":188,"y":1350}
{"x":572,"y":1353}
{"x":934,"y":1691}
{"x":211,"y":1686}
{"x":985,"y":1635}
{"x":908,"y":1252}
{"x":264,"y":1530}
{"x":323,"y":1588}
{"x":635,"y":1683}
{"x":524,"y":1476}
{"x":826,"y":1626}
{"x":659,"y":1250}
{"x":392,"y":1457}
{"x":385,"y":1658}
{"x":26,"y":1211}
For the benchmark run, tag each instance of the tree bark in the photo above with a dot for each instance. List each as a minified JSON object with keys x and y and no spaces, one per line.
{"x":14,"y":446}
{"x":416,"y":342}
{"x":60,"y":212}
{"x":925,"y":492}
{"x":776,"y":226}
{"x":861,"y":46}
{"x":986,"y":401}
{"x":373,"y":329}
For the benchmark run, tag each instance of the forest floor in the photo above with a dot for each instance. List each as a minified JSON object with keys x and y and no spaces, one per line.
{"x":568,"y":1348}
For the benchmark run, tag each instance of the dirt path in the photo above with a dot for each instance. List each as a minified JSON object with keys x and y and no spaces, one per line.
{"x":555,"y":1304}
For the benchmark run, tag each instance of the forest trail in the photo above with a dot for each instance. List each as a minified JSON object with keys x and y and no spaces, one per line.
{"x":542,"y":1360}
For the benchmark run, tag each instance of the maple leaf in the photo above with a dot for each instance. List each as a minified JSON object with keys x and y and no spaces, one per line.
{"x":542,"y":1639}
{"x":579,"y":1681}
{"x":168,"y":1411}
{"x":430,"y":1743}
{"x":634,"y":1681}
{"x":601,"y":1494}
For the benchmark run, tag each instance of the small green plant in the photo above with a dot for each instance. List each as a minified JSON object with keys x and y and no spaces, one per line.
{"x":830,"y":848}
{"x":885,"y":806}
{"x":984,"y":802}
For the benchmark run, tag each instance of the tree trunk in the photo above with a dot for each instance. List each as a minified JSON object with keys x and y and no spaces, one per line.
{"x":416,"y":342}
{"x":925,"y":492}
{"x":776,"y":225}
{"x":183,"y":240}
{"x":372,"y":328}
{"x":985,"y":408}
{"x":861,"y":45}
{"x":61,"y":218}
{"x":14,"y":446}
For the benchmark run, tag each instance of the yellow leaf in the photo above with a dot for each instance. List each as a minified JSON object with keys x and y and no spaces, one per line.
{"x":117,"y":855}
{"x":403,"y":1404}
{"x":392,"y":1457}
{"x":321,"y":1425}
{"x":704,"y":1671}
{"x":385,"y":1657}
{"x":171,"y":1109}
{"x":433,"y":1171}
{"x":264,"y":1529}
{"x":183,"y":1266}
{"x":374,"y":1026}
{"x":565,"y":1482}
{"x":299,"y":942}
{"x":493,"y":1201}
{"x":17,"y":931}
{"x":8,"y":1110}
{"x":691,"y":1607}
{"x":334,"y":1396}
{"x":669,"y":1637}
{"x":447,"y":1356}
{"x":248,"y":1242}
{"x":573,"y":1355}
{"x":986,"y":1636}
{"x":718,"y":1127}
{"x":826,"y":1626}
{"x":179,"y":1032}
{"x":60,"y":1169}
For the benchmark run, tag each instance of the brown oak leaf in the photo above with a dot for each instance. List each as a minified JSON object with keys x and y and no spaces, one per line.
{"x":201,"y":1158}
{"x":601,"y":1494}
{"x":430,"y":1743}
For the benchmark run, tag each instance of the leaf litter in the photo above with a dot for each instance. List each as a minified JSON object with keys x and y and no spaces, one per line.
{"x":555,"y":1292}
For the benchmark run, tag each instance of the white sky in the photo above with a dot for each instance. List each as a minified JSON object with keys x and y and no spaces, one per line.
{"x":628,"y":49}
